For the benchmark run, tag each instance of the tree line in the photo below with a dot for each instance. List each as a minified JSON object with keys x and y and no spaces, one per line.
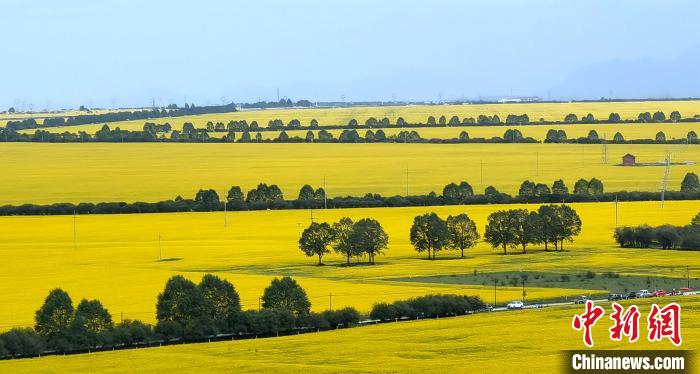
{"x":549,"y":225}
{"x":664,"y":237}
{"x":196,"y":312}
{"x":83,"y":119}
{"x":559,"y":136}
{"x":266,"y":196}
{"x":441,"y":121}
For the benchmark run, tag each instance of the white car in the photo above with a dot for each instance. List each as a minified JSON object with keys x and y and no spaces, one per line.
{"x":644,"y":293}
{"x":515,"y":305}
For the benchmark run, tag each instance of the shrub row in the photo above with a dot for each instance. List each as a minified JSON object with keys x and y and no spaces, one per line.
{"x":428,"y":306}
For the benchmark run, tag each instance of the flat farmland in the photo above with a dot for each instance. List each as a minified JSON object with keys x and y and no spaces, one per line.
{"x":418,"y":113}
{"x":96,"y":172}
{"x":483,"y":343}
{"x":118,"y":259}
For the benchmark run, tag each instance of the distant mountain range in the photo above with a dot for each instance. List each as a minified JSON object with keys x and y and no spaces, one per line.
{"x":642,"y":78}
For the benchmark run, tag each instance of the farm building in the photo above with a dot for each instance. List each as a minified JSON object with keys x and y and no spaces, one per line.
{"x":629,"y":160}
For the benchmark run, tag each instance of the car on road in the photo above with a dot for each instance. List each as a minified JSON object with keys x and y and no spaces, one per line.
{"x":660,"y":293}
{"x":614,"y":297}
{"x":644,"y":293}
{"x":630,"y":295}
{"x":516,"y":304}
{"x":581,"y":300}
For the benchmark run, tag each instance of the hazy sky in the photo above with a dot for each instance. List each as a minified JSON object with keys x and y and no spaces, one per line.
{"x":65,"y":53}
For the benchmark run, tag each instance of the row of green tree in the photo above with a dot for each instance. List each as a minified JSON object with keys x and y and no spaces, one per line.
{"x":189,"y":312}
{"x":441,"y":121}
{"x":83,"y":119}
{"x":185,"y":312}
{"x":559,"y":136}
{"x":665,"y":237}
{"x":366,"y":237}
{"x":271,"y":197}
{"x":550,"y":224}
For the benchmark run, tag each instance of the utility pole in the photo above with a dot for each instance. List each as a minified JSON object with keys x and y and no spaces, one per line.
{"x":407,"y":181}
{"x":495,"y":282}
{"x":664,"y":183}
{"x":687,"y":275}
{"x":524,"y":291}
{"x":225,"y":218}
{"x":259,"y":303}
{"x":616,"y":204}
{"x":325,"y":193}
{"x":75,"y":233}
{"x":481,"y":173}
{"x":312,"y":215}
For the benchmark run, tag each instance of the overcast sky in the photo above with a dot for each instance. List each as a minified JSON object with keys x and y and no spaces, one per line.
{"x":65,"y":53}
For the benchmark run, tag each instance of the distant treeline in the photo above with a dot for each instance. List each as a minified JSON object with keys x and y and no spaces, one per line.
{"x":442,"y":121}
{"x":271,"y":197}
{"x":664,"y":237}
{"x":211,"y":310}
{"x":84,"y":119}
{"x":559,"y":136}
{"x":282,"y":103}
{"x":153,"y":132}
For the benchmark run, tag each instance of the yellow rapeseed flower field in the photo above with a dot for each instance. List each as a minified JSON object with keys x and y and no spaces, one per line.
{"x":420,"y":113}
{"x":508,"y":342}
{"x":96,"y":172}
{"x":119,"y":259}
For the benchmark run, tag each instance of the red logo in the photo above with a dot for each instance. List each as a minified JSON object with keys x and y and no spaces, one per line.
{"x":663,"y":323}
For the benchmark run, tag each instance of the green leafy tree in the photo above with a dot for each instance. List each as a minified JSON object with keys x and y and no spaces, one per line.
{"x":595,"y":187}
{"x":181,"y":301}
{"x":342,"y":231}
{"x":221,"y":300}
{"x":542,"y":189}
{"x":235,"y":195}
{"x":593,"y":135}
{"x":429,"y":234}
{"x":559,"y":188}
{"x":55,"y":315}
{"x":569,"y":225}
{"x":571,"y":118}
{"x":614,"y":118}
{"x":660,"y":137}
{"x":527,"y":188}
{"x":692,"y":137}
{"x":431,"y":120}
{"x":286,"y":294}
{"x":316,"y":239}
{"x":499,"y":230}
{"x":581,"y":187}
{"x":306,"y":193}
{"x":548,"y":225}
{"x":675,"y":116}
{"x":91,"y":316}
{"x":690,"y":183}
{"x":207,"y":200}
{"x":369,"y":237}
{"x":309,"y":137}
{"x":618,"y":138}
{"x":658,"y":117}
{"x":462,"y":232}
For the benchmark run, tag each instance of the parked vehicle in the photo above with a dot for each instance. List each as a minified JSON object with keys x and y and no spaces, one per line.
{"x":517,"y":304}
{"x":581,"y":300}
{"x":660,"y":293}
{"x":686,"y":291}
{"x":614,"y":297}
{"x":630,"y":295}
{"x":644,"y":293}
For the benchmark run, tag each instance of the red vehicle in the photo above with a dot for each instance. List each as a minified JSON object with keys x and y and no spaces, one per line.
{"x":660,"y":293}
